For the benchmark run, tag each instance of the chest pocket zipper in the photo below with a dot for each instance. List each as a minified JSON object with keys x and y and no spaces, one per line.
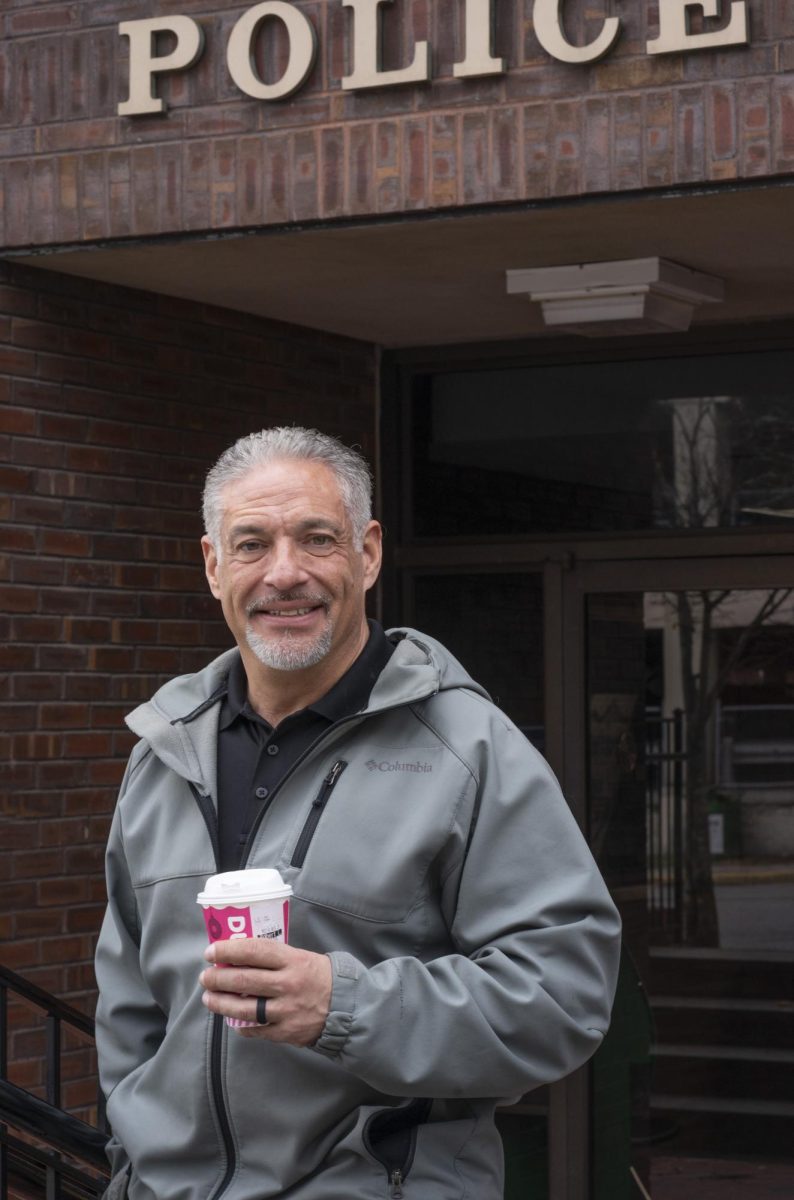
{"x":316,"y":811}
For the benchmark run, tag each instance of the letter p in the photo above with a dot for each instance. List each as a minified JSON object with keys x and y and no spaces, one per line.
{"x":145,"y":64}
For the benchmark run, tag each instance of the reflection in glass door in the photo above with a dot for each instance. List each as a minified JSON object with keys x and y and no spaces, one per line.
{"x":690,"y":707}
{"x":494,"y":623}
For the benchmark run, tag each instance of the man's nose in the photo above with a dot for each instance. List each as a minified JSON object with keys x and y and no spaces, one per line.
{"x":284,"y":565}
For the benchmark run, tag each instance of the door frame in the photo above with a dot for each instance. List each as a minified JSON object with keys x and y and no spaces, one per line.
{"x":572,"y":571}
{"x":571,"y":1115}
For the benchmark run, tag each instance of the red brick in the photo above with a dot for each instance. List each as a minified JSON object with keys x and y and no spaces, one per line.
{"x":18,"y":599}
{"x":16,"y":479}
{"x":537,"y":150}
{"x":64,"y":716}
{"x":416,"y":169}
{"x":690,"y":122}
{"x":723,"y":121}
{"x":61,"y":16}
{"x":37,"y":628}
{"x":62,"y":891}
{"x":87,"y":745}
{"x":627,"y":141}
{"x":37,"y":686}
{"x":35,"y":863}
{"x":84,"y":918}
{"x":65,"y":542}
{"x":506,"y":156}
{"x":17,"y":420}
{"x":36,"y":922}
{"x":37,"y":746}
{"x":305,"y":174}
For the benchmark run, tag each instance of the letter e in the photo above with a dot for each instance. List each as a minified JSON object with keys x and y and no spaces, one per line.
{"x":674,"y":26}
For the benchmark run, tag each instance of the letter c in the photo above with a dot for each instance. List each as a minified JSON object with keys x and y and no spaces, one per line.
{"x":547,"y":19}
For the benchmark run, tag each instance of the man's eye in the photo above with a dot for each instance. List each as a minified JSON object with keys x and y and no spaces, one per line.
{"x":320,"y":540}
{"x":249,"y":547}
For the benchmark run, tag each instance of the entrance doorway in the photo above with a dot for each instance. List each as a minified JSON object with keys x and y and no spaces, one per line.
{"x":606,"y":546}
{"x":661,"y":692}
{"x":686,"y":745}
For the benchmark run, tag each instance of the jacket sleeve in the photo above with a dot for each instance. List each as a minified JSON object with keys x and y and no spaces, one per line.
{"x":129,"y":1023}
{"x":526,"y":995}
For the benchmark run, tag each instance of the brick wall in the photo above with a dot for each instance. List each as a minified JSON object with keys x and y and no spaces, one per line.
{"x":113,"y":404}
{"x":72,"y":171}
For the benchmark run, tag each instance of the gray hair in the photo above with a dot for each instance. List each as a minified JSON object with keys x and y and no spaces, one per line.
{"x":291,"y":442}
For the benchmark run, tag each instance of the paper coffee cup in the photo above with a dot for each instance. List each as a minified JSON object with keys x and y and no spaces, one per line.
{"x":246,"y":904}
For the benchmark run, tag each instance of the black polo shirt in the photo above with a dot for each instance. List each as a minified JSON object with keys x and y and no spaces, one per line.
{"x":253,"y":757}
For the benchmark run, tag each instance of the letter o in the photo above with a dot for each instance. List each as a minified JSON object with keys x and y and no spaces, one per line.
{"x":302,"y":50}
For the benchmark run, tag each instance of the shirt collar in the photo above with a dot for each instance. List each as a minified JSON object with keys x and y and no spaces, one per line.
{"x":348,"y":695}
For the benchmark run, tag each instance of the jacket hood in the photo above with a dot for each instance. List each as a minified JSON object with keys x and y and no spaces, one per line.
{"x":171,"y":722}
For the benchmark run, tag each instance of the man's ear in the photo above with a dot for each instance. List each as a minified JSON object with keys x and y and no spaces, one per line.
{"x":211,"y":566}
{"x":372,"y":553}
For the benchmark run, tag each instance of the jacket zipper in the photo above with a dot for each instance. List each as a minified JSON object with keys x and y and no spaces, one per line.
{"x":394,"y":1149}
{"x":315,"y":812}
{"x":207,"y":810}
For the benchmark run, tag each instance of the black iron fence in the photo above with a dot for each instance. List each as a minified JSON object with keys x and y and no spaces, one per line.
{"x":665,"y":774}
{"x":44,"y":1150}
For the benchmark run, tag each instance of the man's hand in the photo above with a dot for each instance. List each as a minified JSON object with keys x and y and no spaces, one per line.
{"x":296,"y":984}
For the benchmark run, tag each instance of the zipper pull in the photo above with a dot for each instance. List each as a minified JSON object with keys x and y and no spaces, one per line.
{"x":396,"y":1181}
{"x":334,"y":773}
{"x":328,"y":783}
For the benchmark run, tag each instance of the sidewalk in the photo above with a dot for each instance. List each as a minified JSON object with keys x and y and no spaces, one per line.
{"x":720,"y":1179}
{"x":727,"y":871}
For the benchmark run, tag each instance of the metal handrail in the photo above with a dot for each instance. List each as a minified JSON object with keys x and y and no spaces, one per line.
{"x":51,"y":1004}
{"x":58,"y":1129}
{"x":37,"y":1169}
{"x":45,"y":1119}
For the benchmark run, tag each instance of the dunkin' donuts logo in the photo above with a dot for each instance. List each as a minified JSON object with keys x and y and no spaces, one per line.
{"x":418,"y":768}
{"x":227,"y":924}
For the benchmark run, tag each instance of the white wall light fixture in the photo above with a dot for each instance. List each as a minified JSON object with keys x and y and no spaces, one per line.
{"x":635,"y":295}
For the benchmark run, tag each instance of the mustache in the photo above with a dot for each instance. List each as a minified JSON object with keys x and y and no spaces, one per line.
{"x":261,"y":603}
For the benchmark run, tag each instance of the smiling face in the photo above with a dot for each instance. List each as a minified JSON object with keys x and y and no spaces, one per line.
{"x":289,"y":578}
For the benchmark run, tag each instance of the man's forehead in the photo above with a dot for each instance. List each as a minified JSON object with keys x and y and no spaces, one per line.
{"x":285,"y":484}
{"x":286,"y":473}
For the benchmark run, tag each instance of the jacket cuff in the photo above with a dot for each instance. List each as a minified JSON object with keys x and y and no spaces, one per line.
{"x":346,"y":973}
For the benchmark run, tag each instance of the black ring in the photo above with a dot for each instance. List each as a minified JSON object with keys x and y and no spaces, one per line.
{"x":261,"y":1010}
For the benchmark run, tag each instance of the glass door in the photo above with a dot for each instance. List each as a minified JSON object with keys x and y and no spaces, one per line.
{"x":686,"y":761}
{"x":493,"y":621}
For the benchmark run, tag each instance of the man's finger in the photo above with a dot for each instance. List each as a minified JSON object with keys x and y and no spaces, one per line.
{"x":251,"y":952}
{"x":252,"y":981}
{"x":241,"y":1008}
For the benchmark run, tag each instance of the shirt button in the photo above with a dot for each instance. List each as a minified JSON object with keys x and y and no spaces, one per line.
{"x":261,"y":793}
{"x":272,"y":749}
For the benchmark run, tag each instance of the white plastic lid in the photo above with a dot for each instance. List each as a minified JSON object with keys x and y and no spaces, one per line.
{"x":244,"y":887}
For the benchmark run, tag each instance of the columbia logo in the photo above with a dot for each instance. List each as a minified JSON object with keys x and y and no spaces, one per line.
{"x":418,"y":768}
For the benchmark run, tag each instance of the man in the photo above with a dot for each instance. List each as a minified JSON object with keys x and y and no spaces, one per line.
{"x":451,"y":941}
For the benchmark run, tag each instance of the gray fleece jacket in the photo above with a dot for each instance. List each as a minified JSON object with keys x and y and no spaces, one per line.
{"x":473,"y":943}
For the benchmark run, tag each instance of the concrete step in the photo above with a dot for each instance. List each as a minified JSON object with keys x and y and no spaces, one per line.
{"x":729,"y":974}
{"x":724,"y":1071}
{"x":720,"y":1126}
{"x":722,"y":1021}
